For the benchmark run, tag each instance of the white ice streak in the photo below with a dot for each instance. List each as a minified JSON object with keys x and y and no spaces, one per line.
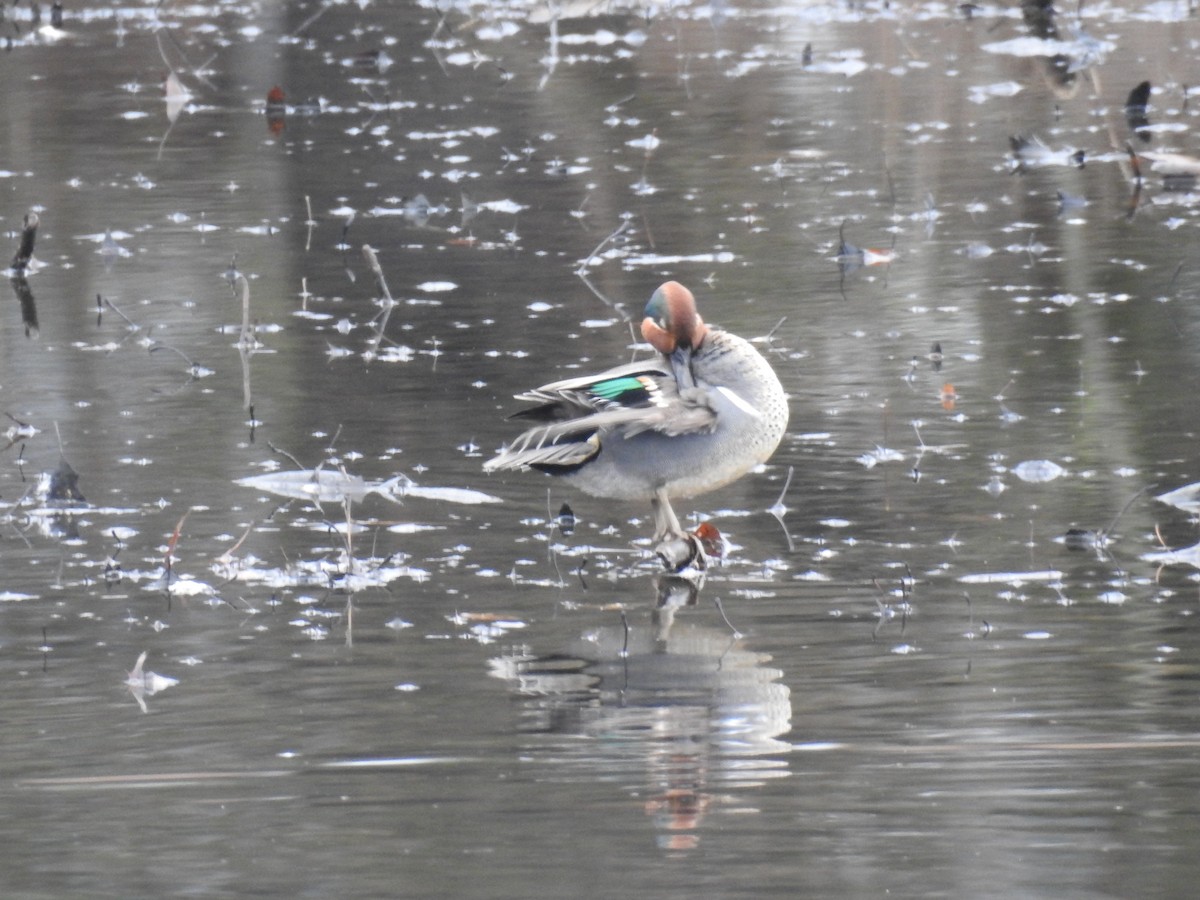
{"x":332,"y":486}
{"x":1186,"y":498}
{"x":1015,"y":579}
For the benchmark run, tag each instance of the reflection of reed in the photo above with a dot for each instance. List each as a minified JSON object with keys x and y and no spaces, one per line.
{"x":29,"y":313}
{"x":24,"y":254}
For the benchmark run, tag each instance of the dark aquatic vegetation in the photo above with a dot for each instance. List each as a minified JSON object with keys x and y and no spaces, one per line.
{"x":23,"y":259}
{"x":62,"y":486}
{"x":29,"y":311}
{"x":565,"y":520}
{"x":1135,"y":111}
{"x":936,"y":358}
{"x":1082,"y":539}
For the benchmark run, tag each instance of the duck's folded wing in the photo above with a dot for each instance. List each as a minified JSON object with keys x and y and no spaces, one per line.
{"x":574,"y":441}
{"x":633,"y":386}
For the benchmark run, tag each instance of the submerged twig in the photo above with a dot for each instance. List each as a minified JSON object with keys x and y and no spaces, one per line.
{"x":721,"y":609}
{"x":388,"y":302}
{"x":779,"y":510}
{"x":282,"y":452}
{"x":621,"y":229}
{"x":246,"y":339}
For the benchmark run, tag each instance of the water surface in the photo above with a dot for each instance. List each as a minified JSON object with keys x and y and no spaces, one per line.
{"x":955,"y":656}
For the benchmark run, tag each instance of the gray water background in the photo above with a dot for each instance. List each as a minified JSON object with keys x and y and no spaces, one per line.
{"x":925,"y":692}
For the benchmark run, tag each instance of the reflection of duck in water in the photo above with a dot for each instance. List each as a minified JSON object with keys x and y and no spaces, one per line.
{"x":688,"y":706}
{"x":700,"y":416}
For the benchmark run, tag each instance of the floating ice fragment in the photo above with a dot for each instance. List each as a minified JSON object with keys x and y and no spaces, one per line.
{"x":848,"y":63}
{"x":647,"y":143}
{"x":872,"y":458}
{"x":497,"y":30}
{"x":1186,"y":556}
{"x":413,"y":528}
{"x":661,"y":259}
{"x":601,"y":38}
{"x":980,"y":93}
{"x":503,"y":206}
{"x":1033,"y":151}
{"x":330,"y":486}
{"x":144,"y":684}
{"x":1012,"y":578}
{"x":1038,"y":471}
{"x":432,"y":287}
{"x":187,"y":586}
{"x":1035,"y":46}
{"x":326,"y":485}
{"x":452,"y":495}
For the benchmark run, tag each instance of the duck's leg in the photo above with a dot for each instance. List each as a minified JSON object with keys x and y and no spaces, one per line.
{"x":666,"y":524}
{"x":675,"y":547}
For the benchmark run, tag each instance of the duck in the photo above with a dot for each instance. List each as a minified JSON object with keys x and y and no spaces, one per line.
{"x":700,"y":414}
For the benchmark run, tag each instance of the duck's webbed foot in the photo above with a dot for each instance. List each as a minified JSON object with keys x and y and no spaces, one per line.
{"x":683,"y":552}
